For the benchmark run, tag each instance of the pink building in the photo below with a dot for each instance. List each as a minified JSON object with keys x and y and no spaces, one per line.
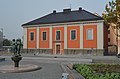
{"x":113,"y":49}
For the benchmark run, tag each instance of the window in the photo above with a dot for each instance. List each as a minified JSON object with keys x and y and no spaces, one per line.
{"x":90,"y":34}
{"x":44,"y":35}
{"x":31,"y":36}
{"x":108,"y":31}
{"x":73,"y":34}
{"x":108,"y":39}
{"x":57,"y":35}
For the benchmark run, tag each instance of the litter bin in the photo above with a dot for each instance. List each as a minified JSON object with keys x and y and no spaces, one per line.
{"x":65,"y":75}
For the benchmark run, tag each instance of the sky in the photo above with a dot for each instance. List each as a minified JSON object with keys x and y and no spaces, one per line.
{"x":14,"y":13}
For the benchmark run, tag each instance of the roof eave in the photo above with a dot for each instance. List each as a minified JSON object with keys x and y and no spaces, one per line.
{"x":57,"y":23}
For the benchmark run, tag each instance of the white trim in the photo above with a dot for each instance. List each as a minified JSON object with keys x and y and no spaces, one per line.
{"x":42,"y":35}
{"x":92,"y":34}
{"x":65,"y":37}
{"x":81,"y":36}
{"x":100,"y":35}
{"x":55,"y":47}
{"x":31,"y":28}
{"x":50,"y":37}
{"x":44,"y":27}
{"x":90,"y":48}
{"x":37,"y":41}
{"x":89,"y":24}
{"x":25,"y":38}
{"x":60,"y":35}
{"x":76,"y":34}
{"x":80,"y":48}
{"x":31,"y":48}
{"x":73,"y":48}
{"x":44,"y":48}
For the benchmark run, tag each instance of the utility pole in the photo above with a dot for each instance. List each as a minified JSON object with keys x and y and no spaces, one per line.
{"x":1,"y":37}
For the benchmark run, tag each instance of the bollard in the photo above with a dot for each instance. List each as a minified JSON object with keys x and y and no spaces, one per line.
{"x":65,"y":75}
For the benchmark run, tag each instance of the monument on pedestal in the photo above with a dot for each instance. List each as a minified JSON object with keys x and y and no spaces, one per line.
{"x":16,"y":48}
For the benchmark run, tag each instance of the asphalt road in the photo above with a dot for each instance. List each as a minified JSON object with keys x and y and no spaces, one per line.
{"x":50,"y":70}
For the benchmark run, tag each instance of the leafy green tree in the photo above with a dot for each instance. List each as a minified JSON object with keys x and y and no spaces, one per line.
{"x":6,"y":42}
{"x":112,"y":13}
{"x":112,"y":17}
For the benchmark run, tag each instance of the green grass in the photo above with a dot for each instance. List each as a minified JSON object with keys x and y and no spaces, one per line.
{"x":98,"y":71}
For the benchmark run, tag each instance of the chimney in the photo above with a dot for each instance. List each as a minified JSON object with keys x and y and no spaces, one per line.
{"x":66,"y":10}
{"x":54,"y":11}
{"x":80,"y":8}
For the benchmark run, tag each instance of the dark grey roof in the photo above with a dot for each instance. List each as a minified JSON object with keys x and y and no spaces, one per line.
{"x":65,"y":16}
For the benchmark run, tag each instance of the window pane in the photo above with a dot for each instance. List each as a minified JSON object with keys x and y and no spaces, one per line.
{"x":57,"y":35}
{"x":73,"y":34}
{"x":44,"y":35}
{"x":32,"y":36}
{"x":90,"y":34}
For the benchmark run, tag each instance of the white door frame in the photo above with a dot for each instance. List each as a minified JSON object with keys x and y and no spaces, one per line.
{"x":56,"y":49}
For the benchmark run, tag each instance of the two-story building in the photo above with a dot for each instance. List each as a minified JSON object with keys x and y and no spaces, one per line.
{"x":67,"y":32}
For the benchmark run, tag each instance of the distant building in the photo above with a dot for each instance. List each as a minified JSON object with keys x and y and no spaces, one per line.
{"x":113,"y":49}
{"x":68,"y":32}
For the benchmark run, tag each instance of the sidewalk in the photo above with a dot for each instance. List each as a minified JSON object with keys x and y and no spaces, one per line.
{"x":106,"y":59}
{"x":2,"y":59}
{"x":95,"y":59}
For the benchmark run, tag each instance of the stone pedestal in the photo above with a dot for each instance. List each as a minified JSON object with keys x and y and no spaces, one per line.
{"x":16,"y":60}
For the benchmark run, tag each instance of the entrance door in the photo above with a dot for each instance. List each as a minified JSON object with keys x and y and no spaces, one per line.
{"x":57,"y":49}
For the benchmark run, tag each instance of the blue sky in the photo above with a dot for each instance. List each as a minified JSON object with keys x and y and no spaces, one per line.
{"x":14,"y":13}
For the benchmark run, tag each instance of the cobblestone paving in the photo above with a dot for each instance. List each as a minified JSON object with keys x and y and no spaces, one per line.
{"x":48,"y":71}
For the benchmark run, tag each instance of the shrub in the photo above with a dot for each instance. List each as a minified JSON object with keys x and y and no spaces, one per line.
{"x":96,"y":71}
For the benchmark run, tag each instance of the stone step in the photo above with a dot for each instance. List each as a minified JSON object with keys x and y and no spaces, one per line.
{"x":2,"y":59}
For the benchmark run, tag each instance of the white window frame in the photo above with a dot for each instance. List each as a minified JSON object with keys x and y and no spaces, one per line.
{"x":76,"y":34}
{"x":56,"y":35}
{"x":92,"y":34}
{"x":42,"y":35}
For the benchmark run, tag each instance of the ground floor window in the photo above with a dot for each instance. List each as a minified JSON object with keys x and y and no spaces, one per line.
{"x":89,"y":34}
{"x":44,"y":35}
{"x":73,"y":34}
{"x":31,"y":36}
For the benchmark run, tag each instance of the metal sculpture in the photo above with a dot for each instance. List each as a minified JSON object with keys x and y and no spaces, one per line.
{"x":16,"y":48}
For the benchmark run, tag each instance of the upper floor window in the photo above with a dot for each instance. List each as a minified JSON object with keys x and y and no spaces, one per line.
{"x":44,"y":35}
{"x":73,"y":34}
{"x":89,"y":34}
{"x":31,"y":36}
{"x":57,"y":35}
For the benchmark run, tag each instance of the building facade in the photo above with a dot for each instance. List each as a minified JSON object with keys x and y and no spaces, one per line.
{"x":113,"y":40}
{"x":68,"y":32}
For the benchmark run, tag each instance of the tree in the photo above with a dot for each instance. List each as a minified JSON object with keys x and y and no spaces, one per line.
{"x":112,"y":13}
{"x":6,"y":42}
{"x":112,"y":17}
